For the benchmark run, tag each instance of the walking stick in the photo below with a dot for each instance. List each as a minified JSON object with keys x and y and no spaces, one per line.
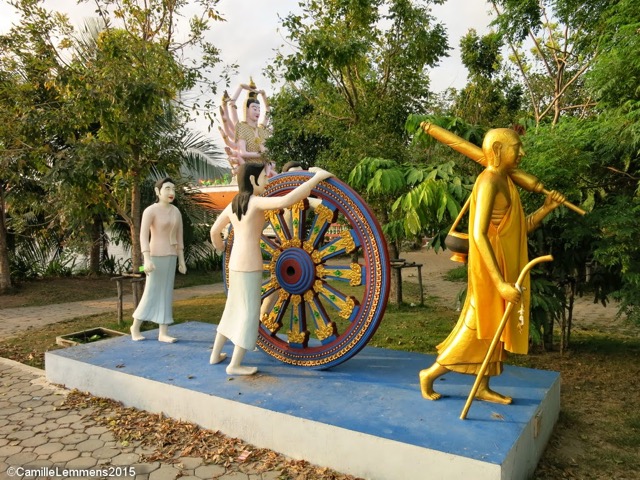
{"x":496,"y":337}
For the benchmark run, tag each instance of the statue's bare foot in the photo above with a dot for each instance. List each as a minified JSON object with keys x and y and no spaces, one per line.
{"x":136,"y":336}
{"x":241,"y":370}
{"x":217,"y":359}
{"x":488,"y":395}
{"x":426,"y":385}
{"x":167,"y":339}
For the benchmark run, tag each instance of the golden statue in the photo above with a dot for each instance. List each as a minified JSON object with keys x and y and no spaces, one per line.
{"x":497,"y":255}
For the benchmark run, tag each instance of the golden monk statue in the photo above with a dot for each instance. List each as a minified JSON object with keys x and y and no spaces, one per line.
{"x":497,"y":254}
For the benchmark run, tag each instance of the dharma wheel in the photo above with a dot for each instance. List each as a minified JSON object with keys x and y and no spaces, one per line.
{"x":326,"y":274}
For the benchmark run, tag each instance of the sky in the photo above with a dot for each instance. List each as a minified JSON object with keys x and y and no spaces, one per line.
{"x":252,"y":32}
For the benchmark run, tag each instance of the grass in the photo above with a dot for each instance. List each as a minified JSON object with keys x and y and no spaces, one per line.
{"x":48,"y":291}
{"x":597,"y":435}
{"x":458,"y":274}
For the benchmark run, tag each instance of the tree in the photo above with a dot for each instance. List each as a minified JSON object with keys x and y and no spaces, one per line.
{"x":491,"y":97}
{"x":414,"y":201}
{"x":294,"y":141}
{"x":29,"y":63}
{"x":615,"y":79}
{"x":135,"y":76}
{"x":361,"y":66}
{"x":564,"y":35}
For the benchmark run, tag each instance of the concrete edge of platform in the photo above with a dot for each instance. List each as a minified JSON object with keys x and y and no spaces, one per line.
{"x":523,"y":458}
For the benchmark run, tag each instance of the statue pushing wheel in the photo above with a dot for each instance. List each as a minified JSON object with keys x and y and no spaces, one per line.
{"x":325,"y":274}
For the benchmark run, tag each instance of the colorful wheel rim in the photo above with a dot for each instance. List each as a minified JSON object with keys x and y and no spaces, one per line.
{"x":319,"y":307}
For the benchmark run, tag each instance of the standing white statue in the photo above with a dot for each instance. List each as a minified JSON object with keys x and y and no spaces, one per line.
{"x":162,"y":247}
{"x":241,"y":315}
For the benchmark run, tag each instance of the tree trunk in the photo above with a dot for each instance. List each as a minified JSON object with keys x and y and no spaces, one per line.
{"x":563,"y":332}
{"x":547,"y":333}
{"x":5,"y":271}
{"x":96,"y":245}
{"x":572,"y":301}
{"x":136,"y":219}
{"x":395,"y":287}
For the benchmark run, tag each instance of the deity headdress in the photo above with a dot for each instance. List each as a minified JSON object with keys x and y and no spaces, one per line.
{"x":252,"y":96}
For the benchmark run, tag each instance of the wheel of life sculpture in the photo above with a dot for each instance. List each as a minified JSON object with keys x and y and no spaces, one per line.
{"x":324,"y":307}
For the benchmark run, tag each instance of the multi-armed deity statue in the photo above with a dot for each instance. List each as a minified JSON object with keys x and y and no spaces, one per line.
{"x":244,"y":139}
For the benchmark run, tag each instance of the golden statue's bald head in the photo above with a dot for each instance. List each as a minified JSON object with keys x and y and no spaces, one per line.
{"x":494,"y":139}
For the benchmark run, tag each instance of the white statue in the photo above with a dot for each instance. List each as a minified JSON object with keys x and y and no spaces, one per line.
{"x":162,"y":245}
{"x":240,"y":319}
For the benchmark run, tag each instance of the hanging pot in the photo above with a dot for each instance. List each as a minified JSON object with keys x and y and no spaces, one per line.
{"x":458,"y":242}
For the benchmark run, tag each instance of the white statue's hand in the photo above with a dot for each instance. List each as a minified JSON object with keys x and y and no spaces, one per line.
{"x":320,"y":173}
{"x":182,"y":268}
{"x":149,"y":266}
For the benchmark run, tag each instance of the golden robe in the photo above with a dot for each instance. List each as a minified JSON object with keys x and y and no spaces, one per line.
{"x":253,"y":137}
{"x":466,"y":346}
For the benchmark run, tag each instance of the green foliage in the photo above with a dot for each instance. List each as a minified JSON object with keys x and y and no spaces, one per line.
{"x":566,"y":42}
{"x":457,"y":125}
{"x":296,"y":136}
{"x":413,"y":201}
{"x":359,"y":68}
{"x":28,"y":136}
{"x":618,"y":251}
{"x":79,"y":135}
{"x":481,"y":55}
{"x":42,"y":258}
{"x":547,"y":302}
{"x":593,"y":164}
{"x":491,"y":97}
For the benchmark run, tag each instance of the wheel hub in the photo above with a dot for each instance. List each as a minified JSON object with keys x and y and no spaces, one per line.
{"x":295,"y":271}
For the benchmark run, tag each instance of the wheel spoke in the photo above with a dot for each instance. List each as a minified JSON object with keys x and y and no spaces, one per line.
{"x":267,"y":245}
{"x":298,"y":218}
{"x":297,"y":335}
{"x":273,"y":320}
{"x":326,"y":329}
{"x":277,"y":221}
{"x":353,"y":273}
{"x":269,"y":285}
{"x":347,"y":242}
{"x":347,"y":305}
{"x":324,"y":217}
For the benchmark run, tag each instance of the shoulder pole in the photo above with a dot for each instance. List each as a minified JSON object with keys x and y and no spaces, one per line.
{"x":468,"y":149}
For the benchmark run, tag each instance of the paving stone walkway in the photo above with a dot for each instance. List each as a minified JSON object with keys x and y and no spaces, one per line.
{"x":38,"y":439}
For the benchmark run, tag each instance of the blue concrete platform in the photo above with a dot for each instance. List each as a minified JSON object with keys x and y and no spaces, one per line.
{"x":365,"y":417}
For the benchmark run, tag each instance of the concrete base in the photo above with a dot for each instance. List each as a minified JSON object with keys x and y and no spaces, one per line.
{"x":365,"y":417}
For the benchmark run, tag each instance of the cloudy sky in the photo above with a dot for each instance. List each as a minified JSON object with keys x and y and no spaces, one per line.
{"x":252,"y":32}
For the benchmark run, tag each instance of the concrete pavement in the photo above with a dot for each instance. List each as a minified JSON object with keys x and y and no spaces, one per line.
{"x":38,"y":439}
{"x":18,"y":320}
